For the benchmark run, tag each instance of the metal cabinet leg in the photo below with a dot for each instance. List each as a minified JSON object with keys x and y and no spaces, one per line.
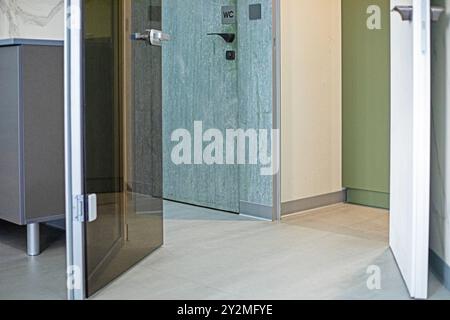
{"x":33,"y":241}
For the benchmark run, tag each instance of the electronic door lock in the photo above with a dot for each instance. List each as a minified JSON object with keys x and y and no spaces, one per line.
{"x":152,"y":37}
{"x":406,"y":12}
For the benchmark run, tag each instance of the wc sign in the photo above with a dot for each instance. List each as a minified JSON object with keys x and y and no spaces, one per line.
{"x":228,"y":14}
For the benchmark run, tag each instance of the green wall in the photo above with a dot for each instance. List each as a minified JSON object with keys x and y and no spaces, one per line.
{"x":366,"y":104}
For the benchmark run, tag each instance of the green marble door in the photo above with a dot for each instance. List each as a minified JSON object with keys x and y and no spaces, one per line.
{"x":200,"y":84}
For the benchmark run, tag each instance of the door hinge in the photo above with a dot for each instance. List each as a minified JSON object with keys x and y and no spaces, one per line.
{"x":80,"y":208}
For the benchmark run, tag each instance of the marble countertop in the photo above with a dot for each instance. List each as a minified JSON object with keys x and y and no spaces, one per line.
{"x":30,"y":42}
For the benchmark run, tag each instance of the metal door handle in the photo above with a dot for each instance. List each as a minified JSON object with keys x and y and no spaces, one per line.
{"x":436,"y":12}
{"x":406,"y":12}
{"x":228,"y":37}
{"x":139,"y":36}
{"x":157,"y":37}
{"x":152,"y":37}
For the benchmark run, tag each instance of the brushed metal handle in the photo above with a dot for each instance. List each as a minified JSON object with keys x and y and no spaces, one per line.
{"x":157,"y":37}
{"x":152,"y":37}
{"x":406,"y":12}
{"x":436,"y":12}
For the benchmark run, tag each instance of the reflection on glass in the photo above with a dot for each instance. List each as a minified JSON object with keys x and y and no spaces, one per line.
{"x":123,"y":158}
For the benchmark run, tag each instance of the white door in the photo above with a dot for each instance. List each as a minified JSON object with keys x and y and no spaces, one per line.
{"x":410,"y":143}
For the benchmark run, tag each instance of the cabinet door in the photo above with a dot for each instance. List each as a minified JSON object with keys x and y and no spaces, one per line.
{"x":10,"y":137}
{"x":43,"y":132}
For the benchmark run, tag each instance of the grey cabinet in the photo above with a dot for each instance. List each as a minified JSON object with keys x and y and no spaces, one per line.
{"x":31,"y":133}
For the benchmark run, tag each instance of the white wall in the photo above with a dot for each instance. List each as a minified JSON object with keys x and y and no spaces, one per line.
{"x":32,"y":19}
{"x":311,"y":98}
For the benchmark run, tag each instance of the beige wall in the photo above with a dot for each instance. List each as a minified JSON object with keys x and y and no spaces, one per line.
{"x":311,"y":98}
{"x":32,"y":19}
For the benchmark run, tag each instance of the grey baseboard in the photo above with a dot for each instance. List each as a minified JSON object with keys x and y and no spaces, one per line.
{"x":440,"y":269}
{"x":313,"y":202}
{"x":256,"y":210}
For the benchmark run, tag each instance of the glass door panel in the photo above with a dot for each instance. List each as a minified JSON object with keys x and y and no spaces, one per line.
{"x":440,"y":138}
{"x":122,"y":136}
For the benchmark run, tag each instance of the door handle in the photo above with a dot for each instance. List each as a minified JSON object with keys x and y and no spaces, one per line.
{"x":436,"y":12}
{"x":406,"y":12}
{"x":152,"y":37}
{"x":139,"y":36}
{"x":157,"y":37}
{"x":227,"y":37}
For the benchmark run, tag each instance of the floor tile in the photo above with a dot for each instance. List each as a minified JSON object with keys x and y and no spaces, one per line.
{"x":322,"y":254}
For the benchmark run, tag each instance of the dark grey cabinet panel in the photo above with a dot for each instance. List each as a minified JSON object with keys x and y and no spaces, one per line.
{"x":10,"y":136}
{"x":31,"y":133}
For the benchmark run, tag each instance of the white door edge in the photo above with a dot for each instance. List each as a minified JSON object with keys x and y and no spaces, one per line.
{"x":73,"y":147}
{"x":422,"y":145}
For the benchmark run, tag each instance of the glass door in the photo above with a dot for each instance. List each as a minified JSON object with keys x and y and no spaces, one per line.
{"x":116,"y":140}
{"x":440,"y":138}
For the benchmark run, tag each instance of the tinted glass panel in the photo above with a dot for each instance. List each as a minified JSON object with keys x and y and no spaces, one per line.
{"x":122,"y":137}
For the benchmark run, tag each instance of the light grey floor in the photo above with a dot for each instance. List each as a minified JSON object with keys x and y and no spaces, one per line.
{"x":323,"y":254}
{"x":31,"y":278}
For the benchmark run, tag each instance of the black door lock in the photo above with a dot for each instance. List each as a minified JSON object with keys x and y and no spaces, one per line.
{"x":231,"y":55}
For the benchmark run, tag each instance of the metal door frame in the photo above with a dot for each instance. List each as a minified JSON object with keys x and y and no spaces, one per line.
{"x":276,"y":106}
{"x":73,"y":67}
